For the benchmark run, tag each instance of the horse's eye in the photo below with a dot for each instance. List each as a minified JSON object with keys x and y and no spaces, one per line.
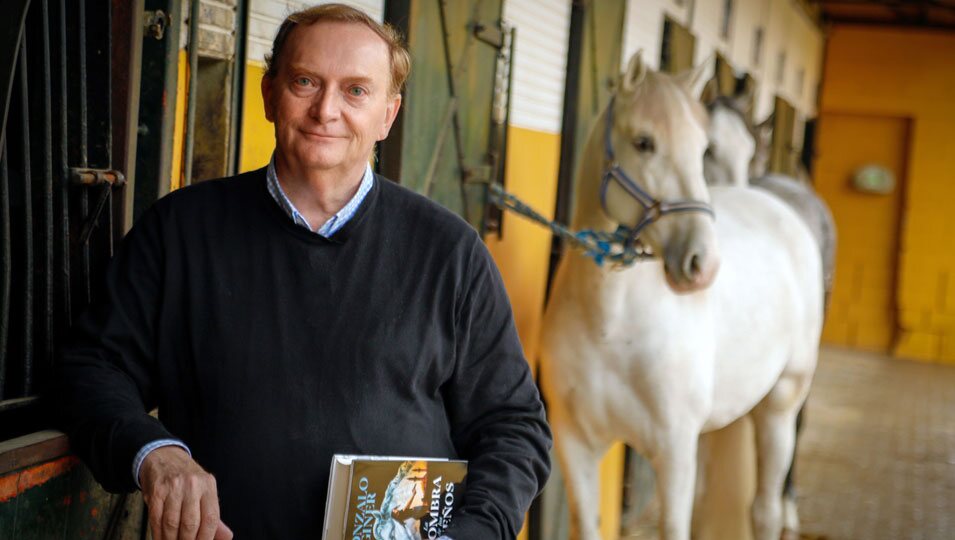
{"x":709,"y":151}
{"x":644,"y":144}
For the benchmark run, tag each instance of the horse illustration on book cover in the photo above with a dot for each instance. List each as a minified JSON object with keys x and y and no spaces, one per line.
{"x":413,"y":503}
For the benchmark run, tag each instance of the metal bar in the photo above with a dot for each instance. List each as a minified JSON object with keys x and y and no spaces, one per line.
{"x":61,"y":188}
{"x":95,"y":177}
{"x":439,"y":146}
{"x":458,"y":144}
{"x":127,"y":58}
{"x":26,"y":351}
{"x":568,"y":132}
{"x":84,"y":288}
{"x":6,"y":266}
{"x":17,"y":403}
{"x":193,"y":86}
{"x":397,"y":14}
{"x":238,"y":87}
{"x":41,"y":165}
{"x":14,"y":13}
{"x":157,"y":110}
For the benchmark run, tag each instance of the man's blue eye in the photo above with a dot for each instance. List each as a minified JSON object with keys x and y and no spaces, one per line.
{"x":303,"y":81}
{"x":357,"y":91}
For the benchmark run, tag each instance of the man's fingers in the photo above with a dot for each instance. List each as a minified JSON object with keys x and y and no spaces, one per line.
{"x":209,"y":508}
{"x":190,"y":516}
{"x":223,"y":532}
{"x":154,"y":505}
{"x":169,"y":523}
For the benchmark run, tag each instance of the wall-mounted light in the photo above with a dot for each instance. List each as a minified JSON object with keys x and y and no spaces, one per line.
{"x":874,"y":179}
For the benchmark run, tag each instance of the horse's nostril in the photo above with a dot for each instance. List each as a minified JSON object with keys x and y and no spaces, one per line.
{"x":693,"y":266}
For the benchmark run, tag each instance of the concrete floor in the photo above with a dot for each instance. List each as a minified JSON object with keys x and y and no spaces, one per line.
{"x":876,"y":459}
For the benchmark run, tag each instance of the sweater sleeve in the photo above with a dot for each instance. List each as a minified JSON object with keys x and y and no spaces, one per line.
{"x":103,"y":384}
{"x":495,"y":410}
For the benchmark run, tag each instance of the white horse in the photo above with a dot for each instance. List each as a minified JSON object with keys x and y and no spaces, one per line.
{"x":723,"y":322}
{"x":738,"y":155}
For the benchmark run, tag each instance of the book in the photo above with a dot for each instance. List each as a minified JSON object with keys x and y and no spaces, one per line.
{"x":392,"y":498}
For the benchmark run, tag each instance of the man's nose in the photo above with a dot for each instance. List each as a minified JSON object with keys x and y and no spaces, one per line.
{"x":326,"y":106}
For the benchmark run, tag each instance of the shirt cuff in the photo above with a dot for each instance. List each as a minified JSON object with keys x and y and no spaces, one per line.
{"x":145,"y":450}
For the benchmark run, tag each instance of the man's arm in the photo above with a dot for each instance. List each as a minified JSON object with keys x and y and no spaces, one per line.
{"x":104,"y":386}
{"x":104,"y":383}
{"x":497,"y":418}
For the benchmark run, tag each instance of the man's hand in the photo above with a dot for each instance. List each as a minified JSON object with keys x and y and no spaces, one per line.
{"x":182,"y":498}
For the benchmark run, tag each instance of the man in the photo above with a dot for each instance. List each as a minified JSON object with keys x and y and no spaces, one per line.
{"x":301,"y":310}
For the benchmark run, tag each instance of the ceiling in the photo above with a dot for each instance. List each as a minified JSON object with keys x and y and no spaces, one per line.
{"x":922,"y":13}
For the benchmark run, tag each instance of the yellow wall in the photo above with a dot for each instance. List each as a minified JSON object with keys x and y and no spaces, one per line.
{"x":179,"y":128}
{"x":523,"y":252}
{"x":907,"y":74}
{"x":258,"y":135}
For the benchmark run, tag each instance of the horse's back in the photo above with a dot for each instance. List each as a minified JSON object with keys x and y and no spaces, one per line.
{"x":810,"y":206}
{"x":767,"y":297}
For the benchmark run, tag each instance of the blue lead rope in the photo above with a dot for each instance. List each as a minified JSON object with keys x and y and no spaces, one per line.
{"x":615,"y":247}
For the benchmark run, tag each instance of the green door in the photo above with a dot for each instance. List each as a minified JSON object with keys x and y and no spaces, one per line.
{"x":448,"y":142}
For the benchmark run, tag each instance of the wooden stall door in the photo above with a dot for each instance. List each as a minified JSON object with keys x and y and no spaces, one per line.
{"x":862,"y":313}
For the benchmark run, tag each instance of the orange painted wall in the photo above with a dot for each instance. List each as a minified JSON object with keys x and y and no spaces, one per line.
{"x":907,"y":74}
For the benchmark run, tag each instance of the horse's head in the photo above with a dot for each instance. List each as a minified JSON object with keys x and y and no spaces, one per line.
{"x":732,"y":144}
{"x":654,"y":139}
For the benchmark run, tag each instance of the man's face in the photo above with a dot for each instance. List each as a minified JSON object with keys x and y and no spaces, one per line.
{"x":331,"y":97}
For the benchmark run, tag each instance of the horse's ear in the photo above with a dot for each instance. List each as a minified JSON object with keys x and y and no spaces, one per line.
{"x":710,"y":92}
{"x":695,"y":79}
{"x":636,"y":72}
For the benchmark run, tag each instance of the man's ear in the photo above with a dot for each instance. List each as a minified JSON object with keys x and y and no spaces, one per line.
{"x":390,"y":114}
{"x":267,"y":97}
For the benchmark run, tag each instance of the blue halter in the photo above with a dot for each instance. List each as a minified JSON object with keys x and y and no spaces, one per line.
{"x":653,"y":209}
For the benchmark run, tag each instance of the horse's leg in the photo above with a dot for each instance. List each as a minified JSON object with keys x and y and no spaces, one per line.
{"x":774,"y":420}
{"x":580,"y":463}
{"x":675,"y":466}
{"x":790,"y":512}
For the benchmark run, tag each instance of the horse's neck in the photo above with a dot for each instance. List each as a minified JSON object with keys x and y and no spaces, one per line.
{"x":589,"y":212}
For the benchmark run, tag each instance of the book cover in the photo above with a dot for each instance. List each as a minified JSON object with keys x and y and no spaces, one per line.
{"x":392,"y":498}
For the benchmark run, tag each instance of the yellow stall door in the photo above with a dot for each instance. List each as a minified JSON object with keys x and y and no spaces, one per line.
{"x":862,"y":310}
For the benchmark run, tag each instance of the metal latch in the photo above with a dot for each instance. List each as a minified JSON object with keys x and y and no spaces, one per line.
{"x":493,"y":35}
{"x":95,"y":177}
{"x":155,"y":23}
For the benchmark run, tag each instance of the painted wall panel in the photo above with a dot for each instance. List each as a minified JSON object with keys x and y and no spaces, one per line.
{"x":785,"y":28}
{"x":265,"y":16}
{"x":540,"y":62}
{"x":643,"y":29}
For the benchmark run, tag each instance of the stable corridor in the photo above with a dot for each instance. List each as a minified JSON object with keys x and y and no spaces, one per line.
{"x":877,"y":456}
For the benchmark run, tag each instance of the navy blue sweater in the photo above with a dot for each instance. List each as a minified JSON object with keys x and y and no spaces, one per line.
{"x":268,"y":348}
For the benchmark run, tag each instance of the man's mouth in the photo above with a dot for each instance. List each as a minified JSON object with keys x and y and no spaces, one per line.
{"x":314,"y":135}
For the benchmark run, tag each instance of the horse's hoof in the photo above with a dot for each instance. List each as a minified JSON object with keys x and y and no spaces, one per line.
{"x":790,"y":516}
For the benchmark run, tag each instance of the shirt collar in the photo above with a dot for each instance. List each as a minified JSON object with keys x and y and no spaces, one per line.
{"x":334,"y":223}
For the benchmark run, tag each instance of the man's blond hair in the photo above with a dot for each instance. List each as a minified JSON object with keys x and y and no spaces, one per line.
{"x":399,"y":59}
